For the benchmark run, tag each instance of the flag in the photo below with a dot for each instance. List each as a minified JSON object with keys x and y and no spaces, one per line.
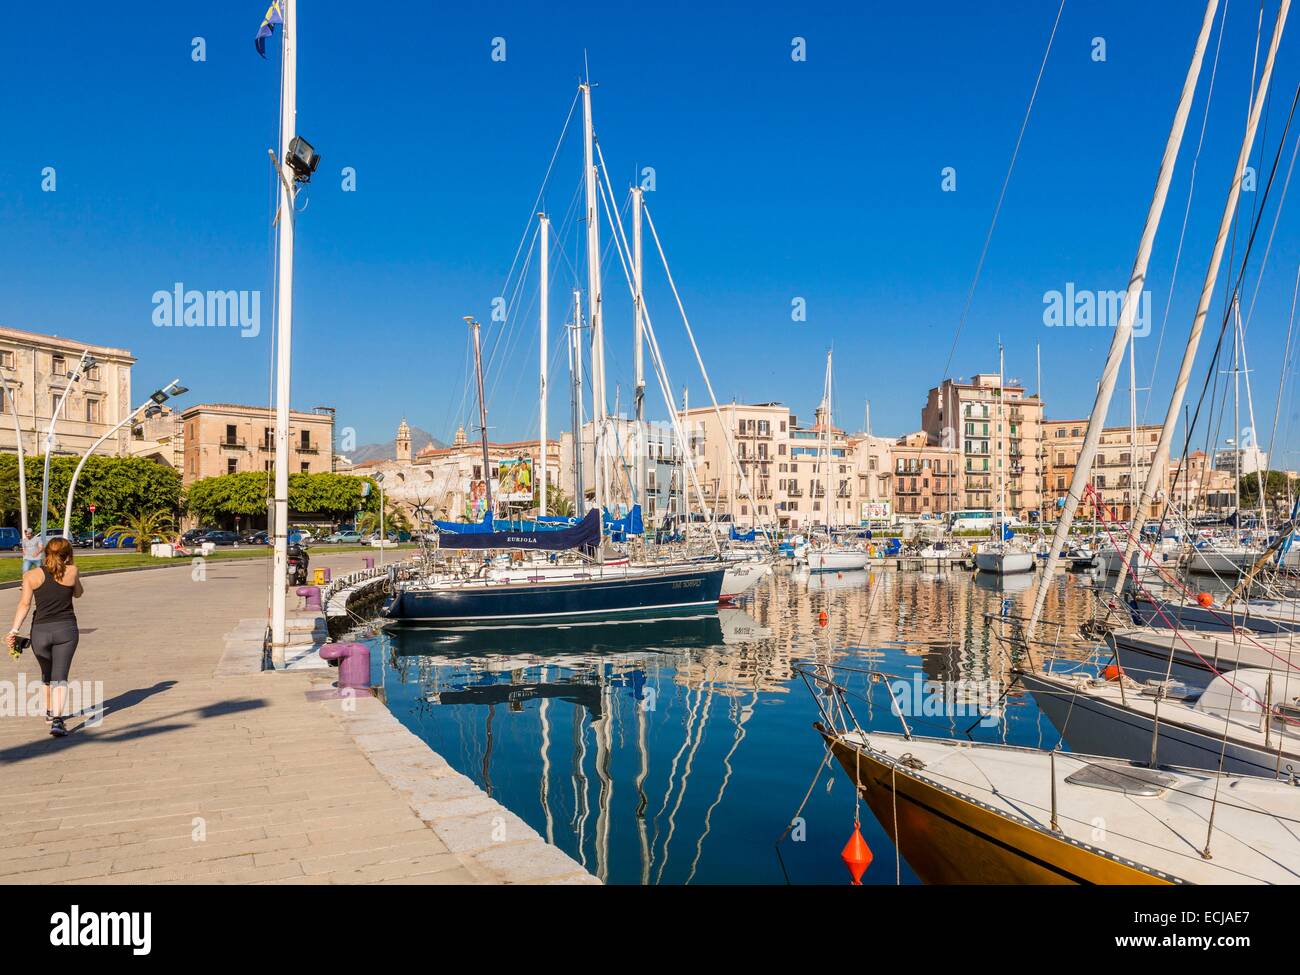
{"x":268,"y":27}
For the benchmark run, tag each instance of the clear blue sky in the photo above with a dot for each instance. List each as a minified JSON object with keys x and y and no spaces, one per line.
{"x":775,"y":180}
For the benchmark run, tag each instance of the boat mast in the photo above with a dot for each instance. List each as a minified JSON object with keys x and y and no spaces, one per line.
{"x":284,"y":328}
{"x":543,"y":347}
{"x":1002,"y":449}
{"x":575,"y":377}
{"x":1136,"y":282}
{"x":482,"y":417}
{"x":594,"y":315}
{"x":638,"y":356}
{"x":826,"y":439}
{"x":1160,"y":459}
{"x":681,"y":471}
{"x":1132,"y":425}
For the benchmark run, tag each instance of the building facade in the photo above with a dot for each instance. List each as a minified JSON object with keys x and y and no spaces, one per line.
{"x":37,"y":369}
{"x":927,"y":477}
{"x":997,"y":429}
{"x":227,"y":438}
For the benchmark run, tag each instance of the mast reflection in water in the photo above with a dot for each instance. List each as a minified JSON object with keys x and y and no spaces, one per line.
{"x":676,"y":750}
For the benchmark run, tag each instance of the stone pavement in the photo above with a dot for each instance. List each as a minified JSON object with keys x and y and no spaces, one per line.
{"x":204,"y":772}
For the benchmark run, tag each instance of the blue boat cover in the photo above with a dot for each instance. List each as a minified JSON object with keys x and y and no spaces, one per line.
{"x":749,"y":536}
{"x":537,"y":537}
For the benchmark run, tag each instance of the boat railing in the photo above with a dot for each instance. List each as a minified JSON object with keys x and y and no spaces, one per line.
{"x":832,"y":697}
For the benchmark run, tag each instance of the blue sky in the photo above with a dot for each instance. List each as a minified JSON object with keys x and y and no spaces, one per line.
{"x":775,"y":179}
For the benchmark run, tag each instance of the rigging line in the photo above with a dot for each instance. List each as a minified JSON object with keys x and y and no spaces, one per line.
{"x":1187,"y":210}
{"x":1235,"y":289}
{"x":1277,"y":214}
{"x":988,"y":238}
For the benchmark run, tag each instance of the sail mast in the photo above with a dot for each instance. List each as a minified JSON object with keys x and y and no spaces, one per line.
{"x":543,"y":347}
{"x":284,"y":328}
{"x":575,"y":376}
{"x":638,"y":355}
{"x":482,"y":418}
{"x":1160,"y":459}
{"x":1136,"y":282}
{"x":594,"y":315}
{"x":826,"y":438}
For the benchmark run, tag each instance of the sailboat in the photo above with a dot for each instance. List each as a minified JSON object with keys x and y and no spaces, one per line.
{"x":1002,"y":556}
{"x":1243,"y":722}
{"x":831,"y":556}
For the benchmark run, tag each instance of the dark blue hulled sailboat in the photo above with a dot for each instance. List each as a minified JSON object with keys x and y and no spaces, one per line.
{"x":482,"y":601}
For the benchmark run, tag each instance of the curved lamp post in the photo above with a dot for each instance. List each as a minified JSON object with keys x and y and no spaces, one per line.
{"x":87,"y":361}
{"x":155,"y":400}
{"x":18,"y":440}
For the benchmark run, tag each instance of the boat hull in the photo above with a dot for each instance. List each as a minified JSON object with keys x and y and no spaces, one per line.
{"x":1219,"y":619}
{"x":1004,"y":563}
{"x":948,"y":839}
{"x":574,"y":599}
{"x":1101,"y":727}
{"x":837,"y":561}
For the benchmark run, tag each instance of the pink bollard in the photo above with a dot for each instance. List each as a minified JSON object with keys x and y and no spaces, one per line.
{"x":310,"y":597}
{"x":326,"y":570}
{"x":354,"y":664}
{"x":369,"y":561}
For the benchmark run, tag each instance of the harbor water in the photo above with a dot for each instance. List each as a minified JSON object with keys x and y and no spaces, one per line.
{"x":682,"y":750}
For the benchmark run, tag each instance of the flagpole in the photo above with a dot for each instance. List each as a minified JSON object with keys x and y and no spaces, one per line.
{"x":284,"y":334}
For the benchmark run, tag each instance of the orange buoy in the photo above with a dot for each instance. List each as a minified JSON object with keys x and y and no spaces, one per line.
{"x":822,"y":618}
{"x":1205,"y":599}
{"x":1112,"y":672}
{"x":856,"y":855}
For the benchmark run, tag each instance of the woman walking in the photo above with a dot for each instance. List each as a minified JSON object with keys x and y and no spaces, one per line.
{"x":53,"y":586}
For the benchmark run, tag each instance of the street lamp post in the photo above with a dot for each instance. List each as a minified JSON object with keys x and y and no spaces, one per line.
{"x":173,"y":388}
{"x":18,"y":441}
{"x":86,"y":362}
{"x":379,"y":478}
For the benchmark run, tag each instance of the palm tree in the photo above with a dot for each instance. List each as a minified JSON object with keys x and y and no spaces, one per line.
{"x":557,"y":502}
{"x":143,"y":528}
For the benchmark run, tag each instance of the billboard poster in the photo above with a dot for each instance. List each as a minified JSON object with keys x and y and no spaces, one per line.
{"x":476,"y":499}
{"x":875,"y":510}
{"x":515,"y":480}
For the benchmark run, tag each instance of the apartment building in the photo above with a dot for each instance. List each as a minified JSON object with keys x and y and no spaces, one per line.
{"x":997,"y":430}
{"x":226,"y":438}
{"x":874,"y":468}
{"x":37,"y":369}
{"x":927,"y":477}
{"x":664,"y":477}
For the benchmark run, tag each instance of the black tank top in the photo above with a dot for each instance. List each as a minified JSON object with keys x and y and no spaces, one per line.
{"x":53,"y":601}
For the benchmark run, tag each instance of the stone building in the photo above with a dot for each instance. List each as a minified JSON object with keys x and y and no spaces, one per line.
{"x":36,"y":370}
{"x":226,"y":438}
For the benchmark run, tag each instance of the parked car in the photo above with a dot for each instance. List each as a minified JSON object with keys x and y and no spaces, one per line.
{"x":11,"y":539}
{"x":194,"y":535}
{"x":256,"y":538}
{"x":344,"y":538}
{"x":88,"y":539}
{"x":221,"y":538}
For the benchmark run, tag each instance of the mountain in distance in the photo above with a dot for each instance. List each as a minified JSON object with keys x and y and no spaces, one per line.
{"x":388,"y":451}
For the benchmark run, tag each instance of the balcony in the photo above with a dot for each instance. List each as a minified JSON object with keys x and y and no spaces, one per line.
{"x":232,"y":443}
{"x":309,"y":448}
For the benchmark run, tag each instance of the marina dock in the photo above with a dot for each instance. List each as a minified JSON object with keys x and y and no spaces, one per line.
{"x":205,"y":770}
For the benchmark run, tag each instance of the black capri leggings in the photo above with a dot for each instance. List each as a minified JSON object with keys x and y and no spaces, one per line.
{"x":53,"y":644}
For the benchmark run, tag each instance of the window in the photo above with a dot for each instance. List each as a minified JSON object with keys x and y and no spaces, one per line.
{"x":92,"y":410}
{"x":268,"y":438}
{"x":305,"y":467}
{"x":305,"y":440}
{"x":4,"y":401}
{"x":7,"y":358}
{"x":478,"y":472}
{"x":268,"y":466}
{"x":59,"y":365}
{"x":232,"y":465}
{"x":92,"y":373}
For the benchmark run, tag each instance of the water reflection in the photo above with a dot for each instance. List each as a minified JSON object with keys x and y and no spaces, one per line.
{"x":677,"y":750}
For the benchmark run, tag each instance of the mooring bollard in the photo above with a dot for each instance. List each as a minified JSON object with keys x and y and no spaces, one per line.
{"x":369,"y":561}
{"x":354,"y":664}
{"x":310,"y":597}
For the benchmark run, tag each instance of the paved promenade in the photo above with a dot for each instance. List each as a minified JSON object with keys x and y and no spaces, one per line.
{"x":206,"y":771}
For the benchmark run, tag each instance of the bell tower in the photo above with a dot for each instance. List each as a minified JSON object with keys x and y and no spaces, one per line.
{"x":404,"y":442}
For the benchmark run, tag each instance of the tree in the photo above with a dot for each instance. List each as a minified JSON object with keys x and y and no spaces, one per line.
{"x":245,"y":494}
{"x":144,"y":528}
{"x":394,"y":520}
{"x":1275,"y":489}
{"x":557,"y":502}
{"x":119,"y":487}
